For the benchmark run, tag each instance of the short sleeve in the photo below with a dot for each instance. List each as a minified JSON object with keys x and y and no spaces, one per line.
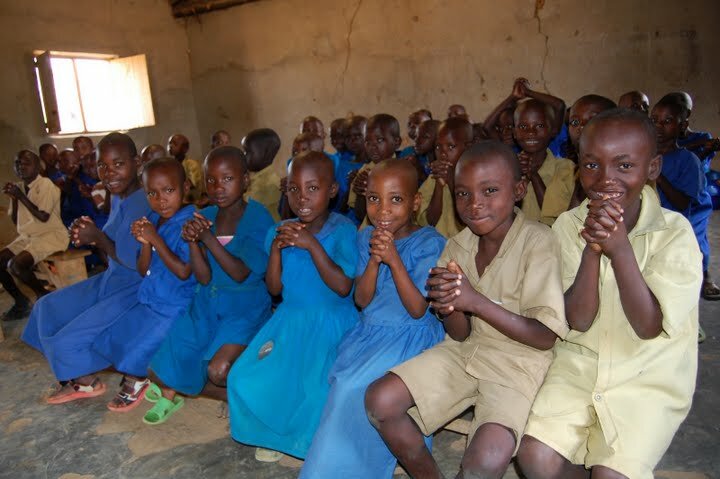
{"x":567,"y":235}
{"x":345,"y":250}
{"x":48,"y":198}
{"x":426,"y":191}
{"x":194,"y":172}
{"x":270,"y":237}
{"x":363,"y":247}
{"x":423,"y":257}
{"x":559,"y":192}
{"x":674,"y":275}
{"x":691,"y":181}
{"x":252,"y":231}
{"x":541,"y":296}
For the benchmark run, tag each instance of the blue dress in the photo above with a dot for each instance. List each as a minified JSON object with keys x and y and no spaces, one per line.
{"x":75,"y":205}
{"x":685,"y":173}
{"x":65,"y":324}
{"x":131,"y":341}
{"x":276,"y":397}
{"x":694,"y":137}
{"x":346,"y":444}
{"x":222,"y":311}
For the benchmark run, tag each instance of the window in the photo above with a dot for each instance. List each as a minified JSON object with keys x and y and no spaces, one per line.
{"x":84,"y":93}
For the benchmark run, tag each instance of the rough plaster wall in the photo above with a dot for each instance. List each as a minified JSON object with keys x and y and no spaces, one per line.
{"x":271,"y":63}
{"x":122,"y":27}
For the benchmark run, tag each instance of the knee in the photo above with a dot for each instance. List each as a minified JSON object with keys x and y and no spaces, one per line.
{"x":381,"y":404}
{"x":538,"y":460}
{"x":218,"y":371}
{"x":15,"y":267}
{"x":492,"y":462}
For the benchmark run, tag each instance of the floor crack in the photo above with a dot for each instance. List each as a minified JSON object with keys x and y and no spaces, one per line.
{"x":539,"y":4}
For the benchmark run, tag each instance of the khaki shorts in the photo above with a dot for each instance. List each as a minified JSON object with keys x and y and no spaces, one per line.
{"x":443,"y":390}
{"x":41,"y":247}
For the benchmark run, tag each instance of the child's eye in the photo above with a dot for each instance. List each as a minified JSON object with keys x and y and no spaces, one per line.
{"x":461,"y":194}
{"x":396,"y":199}
{"x":169,"y":190}
{"x":590,"y":165}
{"x":625,"y":166}
{"x":540,"y":126}
{"x":292,"y":189}
{"x":491,"y":190}
{"x":151,"y":194}
{"x":372,"y":198}
{"x":451,"y":147}
{"x":117,"y":164}
{"x":380,"y":140}
{"x":313,"y":188}
{"x":227,"y":179}
{"x":522,"y":126}
{"x":574,"y":122}
{"x":210,"y":180}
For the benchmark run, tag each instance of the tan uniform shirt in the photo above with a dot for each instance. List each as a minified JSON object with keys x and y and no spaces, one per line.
{"x":194,"y":173}
{"x":448,"y":224}
{"x":46,"y":196}
{"x":558,"y":174}
{"x":265,"y":189}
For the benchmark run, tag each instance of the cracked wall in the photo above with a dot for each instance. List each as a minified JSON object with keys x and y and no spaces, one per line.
{"x":270,"y":63}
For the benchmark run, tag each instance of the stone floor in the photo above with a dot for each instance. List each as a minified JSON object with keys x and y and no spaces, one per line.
{"x":83,"y":440}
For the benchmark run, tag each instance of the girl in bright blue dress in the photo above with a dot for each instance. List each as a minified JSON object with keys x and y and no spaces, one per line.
{"x":277,"y":388}
{"x":65,"y":324}
{"x":395,"y":325}
{"x":230,"y":304}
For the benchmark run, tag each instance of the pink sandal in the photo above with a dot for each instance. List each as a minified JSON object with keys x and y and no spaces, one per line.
{"x":76,"y":391}
{"x":125,"y":402}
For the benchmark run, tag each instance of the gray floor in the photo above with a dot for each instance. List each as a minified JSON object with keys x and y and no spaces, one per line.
{"x":83,"y":440}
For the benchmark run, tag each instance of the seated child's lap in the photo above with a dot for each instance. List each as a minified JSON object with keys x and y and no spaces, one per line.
{"x":39,"y":247}
{"x":442,"y":390}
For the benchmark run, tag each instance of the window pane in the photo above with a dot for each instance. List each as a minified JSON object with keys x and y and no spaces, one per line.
{"x":71,"y":120}
{"x":98,"y":98}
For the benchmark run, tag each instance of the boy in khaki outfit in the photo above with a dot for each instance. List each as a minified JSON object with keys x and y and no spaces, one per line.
{"x":498,"y":289}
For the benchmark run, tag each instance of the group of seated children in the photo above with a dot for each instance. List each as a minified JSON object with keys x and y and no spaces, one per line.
{"x":576,"y":345}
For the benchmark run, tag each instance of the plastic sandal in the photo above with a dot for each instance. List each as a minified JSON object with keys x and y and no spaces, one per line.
{"x":267,"y":455}
{"x":78,"y":391}
{"x":127,"y":402}
{"x":153,"y":393}
{"x":162,"y":410}
{"x":710,"y":291}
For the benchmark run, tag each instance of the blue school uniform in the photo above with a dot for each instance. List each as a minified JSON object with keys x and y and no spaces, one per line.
{"x":65,"y":324}
{"x":131,"y":341}
{"x":74,"y":204}
{"x":407,"y":151}
{"x":222,"y":311}
{"x":276,"y":398}
{"x":346,"y":444}
{"x":692,"y":138}
{"x":557,"y":144}
{"x":684,"y":172}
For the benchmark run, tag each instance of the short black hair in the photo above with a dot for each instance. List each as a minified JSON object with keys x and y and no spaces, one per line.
{"x":314,"y":159}
{"x":487,"y":148}
{"x":227,"y":151}
{"x":385,"y":121}
{"x":625,"y":115}
{"x":86,"y":139}
{"x":425,"y":111}
{"x":460,"y":128}
{"x":117,"y":139}
{"x":679,"y":108}
{"x":533,"y":103}
{"x":31,"y":154}
{"x":46,"y":146}
{"x":604,"y":102}
{"x":265,"y":142}
{"x":165,"y":163}
{"x":400,"y":165}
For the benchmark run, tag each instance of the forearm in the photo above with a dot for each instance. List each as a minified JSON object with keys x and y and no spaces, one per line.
{"x":273,"y":275}
{"x":639,"y":303}
{"x":37,"y":213}
{"x":457,"y":325}
{"x":434,"y":209}
{"x":144,"y":258}
{"x":176,"y":266}
{"x":366,"y":284}
{"x":13,"y":217}
{"x":678,"y":199}
{"x":412,"y":299}
{"x":582,"y":299}
{"x":492,"y":119}
{"x":331,"y":274}
{"x":234,"y":267}
{"x":199,"y":264}
{"x":106,"y":245}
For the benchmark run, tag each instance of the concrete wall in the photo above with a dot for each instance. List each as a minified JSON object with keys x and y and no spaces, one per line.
{"x":122,"y":27}
{"x":271,"y":63}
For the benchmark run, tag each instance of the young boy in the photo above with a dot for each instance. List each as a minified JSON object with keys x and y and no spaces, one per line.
{"x":453,"y":137}
{"x":83,"y":145}
{"x":260,"y":147}
{"x":313,"y":124}
{"x":457,"y":111}
{"x":75,"y":185}
{"x":424,"y":154}
{"x":682,"y":183}
{"x":220,"y":138}
{"x":622,"y":381}
{"x":551,"y":180}
{"x":382,"y":139}
{"x":338,"y":137}
{"x":178,"y":146}
{"x":151,"y":152}
{"x":635,"y":100}
{"x":699,"y":142}
{"x":502,"y":318}
{"x":415,"y":119}
{"x":49,"y":161}
{"x":347,"y":170}
{"x":35,"y":210}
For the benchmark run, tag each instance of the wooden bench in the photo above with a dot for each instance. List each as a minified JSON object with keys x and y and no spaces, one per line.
{"x":65,"y":268}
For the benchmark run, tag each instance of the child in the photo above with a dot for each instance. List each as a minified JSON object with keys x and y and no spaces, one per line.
{"x":303,"y":142}
{"x":312,"y":124}
{"x":277,"y":388}
{"x":220,"y":138}
{"x":151,"y":152}
{"x":622,"y":381}
{"x":382,"y":138}
{"x":635,"y":100}
{"x":682,"y":183}
{"x":425,"y":148}
{"x":83,"y":145}
{"x":698,"y":142}
{"x":76,"y":186}
{"x":178,"y":146}
{"x":395,"y":256}
{"x":260,"y":147}
{"x":166,"y":288}
{"x":497,"y":289}
{"x":457,"y":111}
{"x":338,"y":136}
{"x":231,"y":303}
{"x":65,"y":324}
{"x":49,"y":161}
{"x":347,"y":171}
{"x":551,"y":180}
{"x":453,"y":137}
{"x":415,"y":119}
{"x":35,"y":211}
{"x":584,"y":109}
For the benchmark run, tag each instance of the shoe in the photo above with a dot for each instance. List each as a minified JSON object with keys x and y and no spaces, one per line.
{"x":267,"y":455}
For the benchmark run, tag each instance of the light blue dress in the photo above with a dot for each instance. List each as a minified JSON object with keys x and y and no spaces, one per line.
{"x":346,"y":444}
{"x":133,"y":338}
{"x":276,"y":397}
{"x":65,"y":324}
{"x":222,"y":311}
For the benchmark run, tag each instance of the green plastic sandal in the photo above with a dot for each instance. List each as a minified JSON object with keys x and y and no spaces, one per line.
{"x":153,"y":393}
{"x":162,"y":410}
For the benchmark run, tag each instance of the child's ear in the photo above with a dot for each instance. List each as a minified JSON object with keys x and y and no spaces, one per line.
{"x":655,"y":167}
{"x":520,"y":190}
{"x":246,"y":181}
{"x":333,"y":190}
{"x":417,"y":202}
{"x":186,"y":186}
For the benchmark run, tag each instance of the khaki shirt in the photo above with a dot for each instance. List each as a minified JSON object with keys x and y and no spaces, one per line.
{"x":558,"y":174}
{"x":46,"y":196}
{"x":524,"y":278}
{"x":352,"y":197}
{"x":194,"y":173}
{"x":265,"y":189}
{"x":448,"y":224}
{"x":620,"y":367}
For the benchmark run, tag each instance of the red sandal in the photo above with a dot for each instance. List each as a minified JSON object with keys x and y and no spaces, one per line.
{"x":73,"y":391}
{"x":125,"y":402}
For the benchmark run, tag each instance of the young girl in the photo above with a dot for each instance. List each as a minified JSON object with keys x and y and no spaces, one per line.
{"x":228,"y":259}
{"x":395,"y":257}
{"x":277,"y":389}
{"x":64,"y":324}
